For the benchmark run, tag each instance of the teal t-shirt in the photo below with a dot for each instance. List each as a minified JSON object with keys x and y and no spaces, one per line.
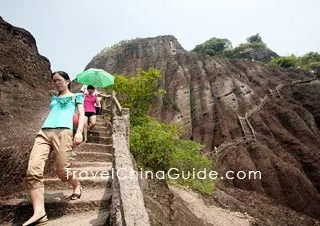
{"x":62,"y":110}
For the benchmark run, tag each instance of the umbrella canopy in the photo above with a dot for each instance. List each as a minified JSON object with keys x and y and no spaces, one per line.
{"x":95,"y":77}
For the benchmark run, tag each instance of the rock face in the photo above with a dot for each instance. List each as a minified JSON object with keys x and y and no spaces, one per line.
{"x":24,"y":99}
{"x":258,"y":54}
{"x":219,"y":101}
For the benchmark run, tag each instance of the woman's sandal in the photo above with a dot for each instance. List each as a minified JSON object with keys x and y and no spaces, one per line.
{"x":39,"y":221}
{"x":75,"y":196}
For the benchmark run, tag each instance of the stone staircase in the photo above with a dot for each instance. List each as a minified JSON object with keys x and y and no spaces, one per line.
{"x":246,"y":128}
{"x":93,"y":163}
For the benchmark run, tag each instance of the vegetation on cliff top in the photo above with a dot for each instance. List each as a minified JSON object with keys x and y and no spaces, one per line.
{"x":223,"y":47}
{"x":309,"y":61}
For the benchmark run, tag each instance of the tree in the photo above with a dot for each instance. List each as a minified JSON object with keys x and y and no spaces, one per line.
{"x":308,"y":61}
{"x":310,"y":58}
{"x":213,"y":46}
{"x":254,"y":39}
{"x":138,"y":92}
{"x":285,"y":62}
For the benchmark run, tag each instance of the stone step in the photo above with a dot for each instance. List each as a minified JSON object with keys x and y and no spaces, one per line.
{"x":99,"y":140}
{"x":94,"y":218}
{"x":98,"y":181}
{"x":100,"y":118}
{"x":101,"y":129}
{"x":102,"y":134}
{"x":91,"y":147}
{"x":91,"y":164}
{"x":102,"y":122}
{"x":57,"y":204}
{"x":93,"y":157}
{"x":105,"y":133}
{"x":93,"y":170}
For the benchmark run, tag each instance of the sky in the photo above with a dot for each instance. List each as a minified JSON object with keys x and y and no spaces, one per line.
{"x":70,"y":32}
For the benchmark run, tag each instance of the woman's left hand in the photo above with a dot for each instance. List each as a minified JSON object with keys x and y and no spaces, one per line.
{"x":78,"y":138}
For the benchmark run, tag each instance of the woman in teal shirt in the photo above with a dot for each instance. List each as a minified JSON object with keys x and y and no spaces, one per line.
{"x":56,"y":134}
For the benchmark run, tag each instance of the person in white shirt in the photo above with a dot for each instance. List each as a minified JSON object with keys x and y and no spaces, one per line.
{"x":83,"y":89}
{"x":99,"y":96}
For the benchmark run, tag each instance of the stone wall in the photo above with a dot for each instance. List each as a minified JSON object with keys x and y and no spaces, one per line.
{"x":128,"y":206}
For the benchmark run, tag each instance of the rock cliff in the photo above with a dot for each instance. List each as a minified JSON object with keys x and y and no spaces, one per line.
{"x":24,"y":99}
{"x":257,"y":54}
{"x":220,"y":102}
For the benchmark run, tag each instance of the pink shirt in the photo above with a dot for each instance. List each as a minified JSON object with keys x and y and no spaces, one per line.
{"x":89,"y":102}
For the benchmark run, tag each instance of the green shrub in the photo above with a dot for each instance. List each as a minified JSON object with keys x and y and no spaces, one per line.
{"x":244,"y":47}
{"x":254,"y":39}
{"x":213,"y":46}
{"x":139,"y":92}
{"x":308,"y":61}
{"x":157,"y":146}
{"x":285,"y":62}
{"x":187,"y":157}
{"x":152,"y":143}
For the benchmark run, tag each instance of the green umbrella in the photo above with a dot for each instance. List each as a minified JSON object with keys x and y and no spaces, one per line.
{"x":95,"y":77}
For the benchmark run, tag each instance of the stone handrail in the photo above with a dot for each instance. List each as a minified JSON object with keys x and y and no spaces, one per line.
{"x":224,"y":145}
{"x":116,"y":103}
{"x":257,"y":107}
{"x":127,"y":207}
{"x":248,"y":123}
{"x":251,"y":127}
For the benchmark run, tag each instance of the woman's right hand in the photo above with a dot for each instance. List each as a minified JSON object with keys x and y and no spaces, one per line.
{"x":78,"y":138}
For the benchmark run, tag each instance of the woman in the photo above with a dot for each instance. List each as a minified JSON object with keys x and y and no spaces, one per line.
{"x":90,"y":99}
{"x":57,"y":134}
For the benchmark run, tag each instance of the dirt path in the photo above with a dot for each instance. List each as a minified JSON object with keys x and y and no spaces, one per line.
{"x":211,"y":214}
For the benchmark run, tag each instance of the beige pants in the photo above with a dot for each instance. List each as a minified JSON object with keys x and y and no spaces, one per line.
{"x":61,"y":141}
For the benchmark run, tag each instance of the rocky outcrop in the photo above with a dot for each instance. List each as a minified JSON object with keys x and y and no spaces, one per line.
{"x":24,"y":81}
{"x":258,"y":54}
{"x":207,"y":95}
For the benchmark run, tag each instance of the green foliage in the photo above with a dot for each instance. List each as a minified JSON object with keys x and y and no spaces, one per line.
{"x":315,"y":65}
{"x":254,"y":39}
{"x":156,"y":146}
{"x":285,"y":62}
{"x":253,"y":42}
{"x":223,"y":47}
{"x":138,"y":92}
{"x":152,"y":142}
{"x":308,"y":61}
{"x":310,"y":57}
{"x":243,"y":47}
{"x":213,"y":46}
{"x":187,"y":157}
